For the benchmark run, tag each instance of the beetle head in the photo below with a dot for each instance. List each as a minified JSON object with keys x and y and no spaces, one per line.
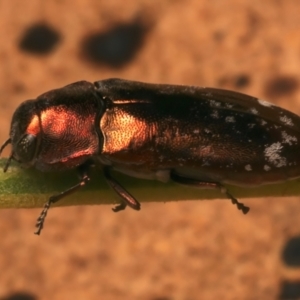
{"x":24,"y":136}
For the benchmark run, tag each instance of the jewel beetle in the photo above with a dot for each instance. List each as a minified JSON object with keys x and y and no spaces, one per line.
{"x":201,"y":137}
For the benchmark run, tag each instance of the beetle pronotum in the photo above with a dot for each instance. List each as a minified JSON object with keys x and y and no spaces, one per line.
{"x":201,"y":137}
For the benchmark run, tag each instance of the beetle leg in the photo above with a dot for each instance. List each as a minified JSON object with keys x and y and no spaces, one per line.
{"x":210,"y":185}
{"x":126,"y":197}
{"x":84,"y":178}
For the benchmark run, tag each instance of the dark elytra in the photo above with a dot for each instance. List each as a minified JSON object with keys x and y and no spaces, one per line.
{"x":201,"y":137}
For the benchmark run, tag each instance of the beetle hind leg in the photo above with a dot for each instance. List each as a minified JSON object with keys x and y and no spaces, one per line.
{"x":126,"y":198}
{"x":209,"y":185}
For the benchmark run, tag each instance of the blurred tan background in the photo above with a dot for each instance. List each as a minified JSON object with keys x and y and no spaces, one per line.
{"x":174,"y":251}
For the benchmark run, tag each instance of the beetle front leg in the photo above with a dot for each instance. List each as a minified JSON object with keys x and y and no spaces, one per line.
{"x":210,"y":185}
{"x":84,"y":178}
{"x":126,"y":197}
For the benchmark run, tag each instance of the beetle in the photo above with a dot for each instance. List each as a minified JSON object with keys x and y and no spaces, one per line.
{"x":196,"y":136}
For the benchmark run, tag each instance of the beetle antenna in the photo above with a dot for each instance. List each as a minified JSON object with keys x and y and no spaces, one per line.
{"x":8,"y":141}
{"x":8,"y":162}
{"x":5,"y":144}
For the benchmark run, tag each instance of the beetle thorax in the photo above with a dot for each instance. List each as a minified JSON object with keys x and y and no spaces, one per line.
{"x":72,"y":133}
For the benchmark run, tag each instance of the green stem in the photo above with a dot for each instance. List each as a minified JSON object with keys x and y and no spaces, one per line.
{"x":21,"y":188}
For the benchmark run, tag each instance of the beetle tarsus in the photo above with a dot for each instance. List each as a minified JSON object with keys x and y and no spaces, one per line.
{"x":41,"y":219}
{"x":119,"y":207}
{"x":245,"y":209}
{"x":240,"y":206}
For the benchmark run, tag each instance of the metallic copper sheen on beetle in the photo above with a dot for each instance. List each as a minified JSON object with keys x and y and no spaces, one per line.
{"x":202,"y":137}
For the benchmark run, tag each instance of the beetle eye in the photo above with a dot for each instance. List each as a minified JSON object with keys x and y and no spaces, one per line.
{"x":25,"y":149}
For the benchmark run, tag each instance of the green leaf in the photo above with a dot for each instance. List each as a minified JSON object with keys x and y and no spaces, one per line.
{"x":20,"y":188}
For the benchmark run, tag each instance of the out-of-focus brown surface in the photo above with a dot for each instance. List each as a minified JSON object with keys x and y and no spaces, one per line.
{"x":188,"y":250}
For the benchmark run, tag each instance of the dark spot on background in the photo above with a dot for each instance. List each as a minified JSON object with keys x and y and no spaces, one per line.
{"x":253,"y":20}
{"x":78,"y":262}
{"x":281,"y":86}
{"x":241,"y":81}
{"x":219,"y":36}
{"x":253,"y":26}
{"x":18,"y":87}
{"x":39,"y":39}
{"x":291,"y":252}
{"x":115,"y":47}
{"x":19,"y":296}
{"x":234,"y":82}
{"x":290,"y":290}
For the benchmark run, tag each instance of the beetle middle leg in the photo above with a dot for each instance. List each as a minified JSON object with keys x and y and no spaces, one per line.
{"x":126,"y":197}
{"x":210,"y":185}
{"x":84,"y":178}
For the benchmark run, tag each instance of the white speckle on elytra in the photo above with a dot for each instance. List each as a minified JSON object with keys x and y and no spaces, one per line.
{"x":264,"y":103}
{"x":286,"y":120}
{"x":214,"y":103}
{"x":272,"y":155}
{"x":182,"y":159}
{"x":248,"y":168}
{"x":207,"y":130}
{"x":196,"y":131}
{"x":205,"y":163}
{"x":263,"y":122}
{"x":254,"y":111}
{"x":267,"y":168}
{"x":230,"y":119}
{"x":161,"y":158}
{"x":277,"y":126}
{"x":215,"y":114}
{"x":251,"y":125}
{"x":228,"y":105}
{"x":288,"y":139}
